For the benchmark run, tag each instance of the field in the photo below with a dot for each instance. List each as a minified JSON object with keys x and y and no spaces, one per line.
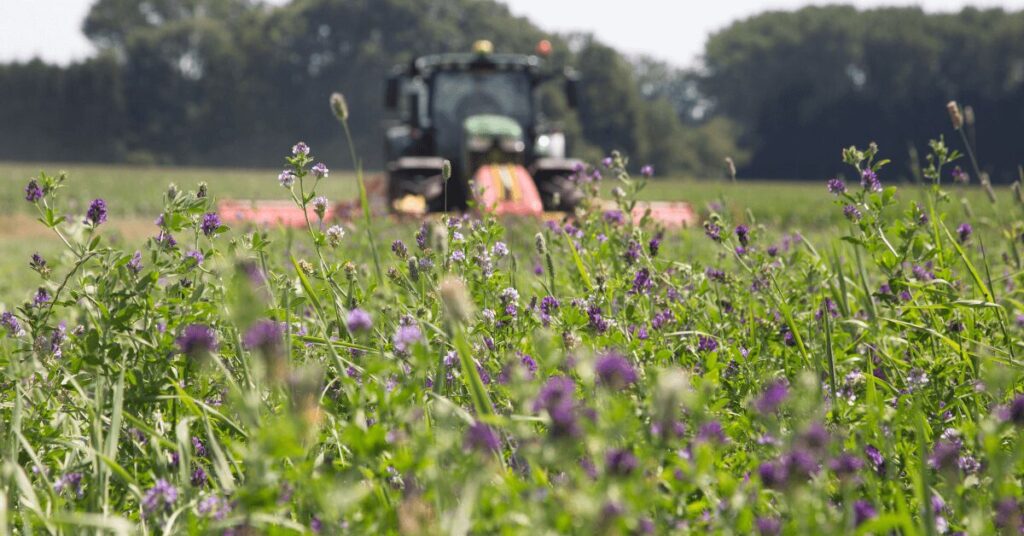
{"x":810,"y":360}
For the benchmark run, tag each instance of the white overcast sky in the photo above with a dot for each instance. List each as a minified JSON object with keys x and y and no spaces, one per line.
{"x":673,"y":30}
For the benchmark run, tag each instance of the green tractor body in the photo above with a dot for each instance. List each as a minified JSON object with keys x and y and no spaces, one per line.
{"x":474,"y":110}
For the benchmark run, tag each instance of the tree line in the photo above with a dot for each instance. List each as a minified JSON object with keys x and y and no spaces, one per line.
{"x":230,"y":82}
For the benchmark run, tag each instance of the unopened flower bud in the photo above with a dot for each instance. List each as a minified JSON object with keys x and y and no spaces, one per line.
{"x":969,"y":116}
{"x":172,"y":191}
{"x":201,"y":194}
{"x":446,"y":170}
{"x":954,"y":115}
{"x":414,"y":269}
{"x":455,"y":299}
{"x":305,"y":385}
{"x":339,"y":106}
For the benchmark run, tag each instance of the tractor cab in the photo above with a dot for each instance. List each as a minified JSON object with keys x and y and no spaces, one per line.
{"x":479,"y":111}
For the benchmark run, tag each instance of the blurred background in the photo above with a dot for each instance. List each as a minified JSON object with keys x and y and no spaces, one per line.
{"x":779,"y":87}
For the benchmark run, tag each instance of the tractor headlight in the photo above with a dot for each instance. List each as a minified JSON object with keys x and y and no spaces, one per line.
{"x":478,"y":144}
{"x":551,"y":145}
{"x":512,"y":145}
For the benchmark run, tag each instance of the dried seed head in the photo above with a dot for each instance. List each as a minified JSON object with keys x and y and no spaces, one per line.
{"x":541,"y":244}
{"x":986,"y":183}
{"x":954,"y":115}
{"x":969,"y":116}
{"x":339,"y":106}
{"x":455,"y":299}
{"x":730,"y":168}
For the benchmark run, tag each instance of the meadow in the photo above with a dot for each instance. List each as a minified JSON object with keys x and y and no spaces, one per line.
{"x":830,"y":357}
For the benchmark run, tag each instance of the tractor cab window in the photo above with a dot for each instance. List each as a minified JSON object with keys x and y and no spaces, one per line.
{"x":457,"y":95}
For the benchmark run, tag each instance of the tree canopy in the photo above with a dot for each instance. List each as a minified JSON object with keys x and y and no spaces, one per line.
{"x":229,"y":82}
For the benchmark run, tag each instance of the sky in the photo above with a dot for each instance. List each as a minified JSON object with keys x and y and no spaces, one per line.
{"x":672,"y":30}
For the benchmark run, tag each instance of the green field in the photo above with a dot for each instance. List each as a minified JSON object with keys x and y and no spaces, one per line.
{"x":134,"y":195}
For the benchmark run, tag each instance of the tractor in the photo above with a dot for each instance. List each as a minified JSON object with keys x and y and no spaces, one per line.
{"x":479,"y":112}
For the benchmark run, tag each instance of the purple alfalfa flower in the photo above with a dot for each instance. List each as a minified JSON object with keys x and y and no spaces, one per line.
{"x":632,"y":252}
{"x":869,"y":181}
{"x":772,"y":250}
{"x":647,"y":171}
{"x":1013,"y":414}
{"x":607,"y":161}
{"x":596,"y":319}
{"x":713,"y":231}
{"x":836,"y":186}
{"x":211,"y":222}
{"x":213,"y":506}
{"x":482,"y":438}
{"x":768,"y":526}
{"x":711,"y":431}
{"x":315,"y":525}
{"x":320,"y":170}
{"x":714,"y":274}
{"x":135,"y":264}
{"x":845,"y":465}
{"x":500,"y":249}
{"x":815,"y":437}
{"x":772,"y":397}
{"x":960,"y":176}
{"x":300,"y":149}
{"x":862,"y":512}
{"x":11,"y":324}
{"x":557,"y":398}
{"x":662,"y":319}
{"x":399,"y":249}
{"x":458,"y":256}
{"x":642,"y":282}
{"x":406,"y":337}
{"x":743,"y":234}
{"x":826,"y":305}
{"x":33,"y":192}
{"x":944,"y":455}
{"x":421,"y":235}
{"x":851,"y":213}
{"x":265,"y":336}
{"x":1008,"y":516}
{"x":964,"y":232}
{"x":38,"y":263}
{"x":706,"y":344}
{"x":922,"y":273}
{"x":876,"y":459}
{"x":801,"y":462}
{"x":197,"y":340}
{"x":71,"y":482}
{"x":286,"y":178}
{"x":614,"y":217}
{"x":198,"y":446}
{"x":614,"y":371}
{"x":773,"y":474}
{"x":97,"y":212}
{"x":655,"y":244}
{"x":41,"y":298}
{"x":196,"y":256}
{"x":620,"y":462}
{"x":199,"y":477}
{"x":161,"y":494}
{"x":358,"y":320}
